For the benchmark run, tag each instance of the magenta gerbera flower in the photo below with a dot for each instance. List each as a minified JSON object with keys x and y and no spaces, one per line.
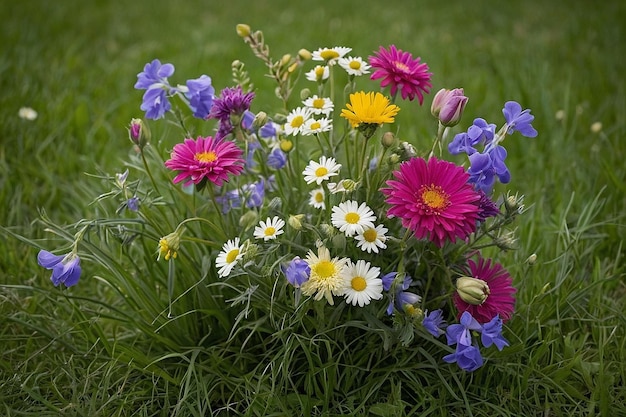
{"x":433,"y":199}
{"x":401,"y":72}
{"x":205,"y":158}
{"x":497,"y":289}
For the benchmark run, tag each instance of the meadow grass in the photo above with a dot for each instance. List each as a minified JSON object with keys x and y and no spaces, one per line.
{"x":88,"y":352}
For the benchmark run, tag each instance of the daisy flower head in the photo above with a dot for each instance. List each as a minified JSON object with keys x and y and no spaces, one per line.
{"x":401,"y":72}
{"x":351,"y":218}
{"x":319,"y":105}
{"x":330,"y":55}
{"x":318,"y":74}
{"x":326,"y":275}
{"x":296,"y":120}
{"x":369,"y":108}
{"x":269,"y":229}
{"x":321,"y":171}
{"x":433,"y":199}
{"x":496,"y":290}
{"x":314,"y":126}
{"x":317,"y":198}
{"x":230,"y":255}
{"x":362,"y":283}
{"x":372,"y":238}
{"x":354,"y":65}
{"x":205,"y":159}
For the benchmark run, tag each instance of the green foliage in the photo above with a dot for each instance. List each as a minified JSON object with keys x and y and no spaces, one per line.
{"x":107,"y":347}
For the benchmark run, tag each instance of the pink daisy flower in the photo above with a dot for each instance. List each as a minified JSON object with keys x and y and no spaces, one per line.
{"x":399,"y":70}
{"x":433,"y":199}
{"x":498,"y":291}
{"x":205,"y":159}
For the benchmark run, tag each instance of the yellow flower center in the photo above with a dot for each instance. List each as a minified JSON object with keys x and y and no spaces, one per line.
{"x":328,"y":54}
{"x":319,"y":197}
{"x":401,"y":66}
{"x":434,"y":197}
{"x":319,"y":72}
{"x":355,"y":65}
{"x":315,"y":125}
{"x":205,"y":157}
{"x":269,"y":231}
{"x":318,"y":103}
{"x":321,"y":171}
{"x":358,"y":283}
{"x":324,"y":269}
{"x":353,"y":218}
{"x":232,"y":255}
{"x":286,"y":145}
{"x":370,"y":235}
{"x":297,"y":121}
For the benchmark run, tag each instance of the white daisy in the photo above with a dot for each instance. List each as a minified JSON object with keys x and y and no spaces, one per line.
{"x":330,"y":55}
{"x":269,"y":229}
{"x":313,"y":126}
{"x":296,"y":119}
{"x":351,"y":218}
{"x":27,"y":113}
{"x":319,"y":105}
{"x":318,"y":74}
{"x":318,"y":198}
{"x":326,"y":277}
{"x":322,"y":171}
{"x":354,"y":65}
{"x":361,"y":283}
{"x":372,"y":238}
{"x":229,"y":256}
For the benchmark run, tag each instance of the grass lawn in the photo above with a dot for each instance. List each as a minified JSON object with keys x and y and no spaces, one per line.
{"x":92,"y":351}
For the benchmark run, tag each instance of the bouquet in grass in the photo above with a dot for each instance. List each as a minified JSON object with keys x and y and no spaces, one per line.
{"x":254,"y":221}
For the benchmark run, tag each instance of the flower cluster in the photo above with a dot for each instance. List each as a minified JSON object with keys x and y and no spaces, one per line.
{"x":301,"y":193}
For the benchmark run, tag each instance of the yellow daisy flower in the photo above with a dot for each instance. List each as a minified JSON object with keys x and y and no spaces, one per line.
{"x":369,"y":108}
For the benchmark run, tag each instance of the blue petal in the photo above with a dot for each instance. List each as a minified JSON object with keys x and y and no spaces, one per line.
{"x":47,"y":259}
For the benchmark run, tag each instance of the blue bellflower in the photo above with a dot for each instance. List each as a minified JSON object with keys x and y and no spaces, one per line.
{"x":276,"y":159}
{"x":400,"y":297}
{"x":255,"y":193}
{"x":492,"y":334}
{"x":65,"y":268}
{"x":153,"y":79}
{"x":200,"y":94}
{"x":297,"y":272}
{"x":518,"y":120}
{"x":467,"y":355}
{"x":434,"y":323}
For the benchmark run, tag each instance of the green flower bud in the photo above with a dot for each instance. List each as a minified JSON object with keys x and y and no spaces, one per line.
{"x":472,"y":290}
{"x":243,"y":30}
{"x":248,"y":220}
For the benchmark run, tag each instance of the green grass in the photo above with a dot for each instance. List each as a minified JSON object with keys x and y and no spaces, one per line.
{"x":86,"y":352}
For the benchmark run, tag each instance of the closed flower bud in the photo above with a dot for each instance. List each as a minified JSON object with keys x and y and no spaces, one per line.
{"x":305,"y":93}
{"x":472,"y":290}
{"x":295,"y":221}
{"x":448,"y":106}
{"x":248,"y":220}
{"x":532,"y":259}
{"x":260,"y":120}
{"x":388,"y":139}
{"x":243,"y":30}
{"x":285,"y":60}
{"x":139,"y":133}
{"x":286,"y":145}
{"x":305,"y":54}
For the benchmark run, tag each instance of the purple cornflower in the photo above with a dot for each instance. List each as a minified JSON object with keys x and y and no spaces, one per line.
{"x":153,"y":79}
{"x":65,"y":268}
{"x":232,"y":101}
{"x":518,"y":120}
{"x":297,"y":272}
{"x":276,"y":159}
{"x":492,"y":334}
{"x":434,"y":323}
{"x":486,"y":207}
{"x":200,"y":94}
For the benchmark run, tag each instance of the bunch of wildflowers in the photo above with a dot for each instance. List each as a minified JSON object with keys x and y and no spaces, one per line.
{"x":316,"y":195}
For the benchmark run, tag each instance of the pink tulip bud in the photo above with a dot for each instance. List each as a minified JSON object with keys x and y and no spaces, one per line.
{"x":448,"y":106}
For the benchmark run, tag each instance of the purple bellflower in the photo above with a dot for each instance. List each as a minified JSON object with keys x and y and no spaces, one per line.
{"x":65,"y":268}
{"x":518,"y":120}
{"x":153,"y":79}
{"x":200,"y":94}
{"x":297,"y":272}
{"x":434,"y":323}
{"x":492,"y":334}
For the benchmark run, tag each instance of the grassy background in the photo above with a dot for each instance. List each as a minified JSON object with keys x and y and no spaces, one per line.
{"x":75,"y":62}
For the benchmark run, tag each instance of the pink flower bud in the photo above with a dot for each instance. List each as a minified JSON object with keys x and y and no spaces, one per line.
{"x":448,"y":106}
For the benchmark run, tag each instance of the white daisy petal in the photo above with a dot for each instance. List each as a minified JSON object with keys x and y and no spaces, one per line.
{"x":354,"y":65}
{"x":321,"y":171}
{"x":372,"y":238}
{"x":351,"y":218}
{"x":269,"y":229}
{"x":229,"y":257}
{"x":362,"y":283}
